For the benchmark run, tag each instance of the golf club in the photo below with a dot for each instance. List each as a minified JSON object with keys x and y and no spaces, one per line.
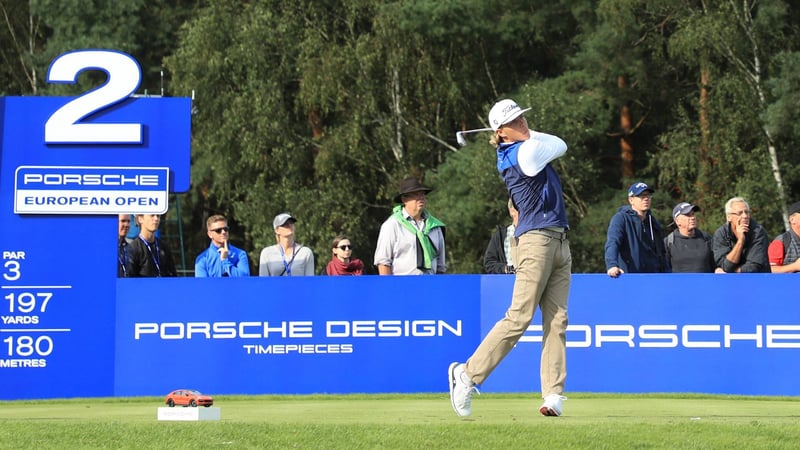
{"x":460,"y":135}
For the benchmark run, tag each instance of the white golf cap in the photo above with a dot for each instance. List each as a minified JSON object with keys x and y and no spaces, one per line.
{"x":503,"y":112}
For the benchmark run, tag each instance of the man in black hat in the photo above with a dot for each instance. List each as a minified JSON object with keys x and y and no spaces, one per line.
{"x":411,"y":240}
{"x":689,"y":249}
{"x":784,"y":250}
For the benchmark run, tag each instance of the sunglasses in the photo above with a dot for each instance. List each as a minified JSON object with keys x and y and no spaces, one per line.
{"x":345,"y":247}
{"x":220,"y":230}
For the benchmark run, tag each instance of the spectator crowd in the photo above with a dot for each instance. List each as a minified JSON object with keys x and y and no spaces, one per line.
{"x":412,"y":242}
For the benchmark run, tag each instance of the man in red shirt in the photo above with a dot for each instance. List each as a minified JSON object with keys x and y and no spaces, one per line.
{"x":784,"y":250}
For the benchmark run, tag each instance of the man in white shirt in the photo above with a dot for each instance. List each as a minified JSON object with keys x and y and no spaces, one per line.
{"x":411,"y":240}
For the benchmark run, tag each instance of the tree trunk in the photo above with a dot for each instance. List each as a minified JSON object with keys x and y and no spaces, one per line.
{"x":397,"y":144}
{"x":626,"y":128}
{"x":706,"y":165}
{"x":315,"y":120}
{"x":753,"y":73}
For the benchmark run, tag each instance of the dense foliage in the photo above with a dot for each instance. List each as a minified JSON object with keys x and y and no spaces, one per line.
{"x":321,"y":107}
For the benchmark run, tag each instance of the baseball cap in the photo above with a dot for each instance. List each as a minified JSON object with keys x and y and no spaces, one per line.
{"x":281,"y":219}
{"x":794,"y":208}
{"x":639,"y":187}
{"x":683,"y":208}
{"x":503,"y":112}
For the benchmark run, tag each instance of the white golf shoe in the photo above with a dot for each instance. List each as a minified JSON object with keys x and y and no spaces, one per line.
{"x":552,"y":405}
{"x":461,"y":389}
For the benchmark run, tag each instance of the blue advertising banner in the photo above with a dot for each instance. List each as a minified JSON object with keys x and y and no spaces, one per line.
{"x":732,"y":334}
{"x":729,"y":334}
{"x":708,"y":333}
{"x":292,"y":335}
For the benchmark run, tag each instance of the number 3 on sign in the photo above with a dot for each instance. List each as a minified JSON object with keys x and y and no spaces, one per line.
{"x":12,"y":270}
{"x":124,"y":77}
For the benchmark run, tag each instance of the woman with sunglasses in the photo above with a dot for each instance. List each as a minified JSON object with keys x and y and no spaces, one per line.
{"x":342,"y":262}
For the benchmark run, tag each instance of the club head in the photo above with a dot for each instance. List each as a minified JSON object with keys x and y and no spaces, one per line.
{"x":460,"y":139}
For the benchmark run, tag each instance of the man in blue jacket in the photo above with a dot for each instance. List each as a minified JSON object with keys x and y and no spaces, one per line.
{"x":634,"y":243}
{"x":221,"y":259}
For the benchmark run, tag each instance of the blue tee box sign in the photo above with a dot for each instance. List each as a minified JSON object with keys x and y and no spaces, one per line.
{"x":90,"y":190}
{"x":68,"y":166}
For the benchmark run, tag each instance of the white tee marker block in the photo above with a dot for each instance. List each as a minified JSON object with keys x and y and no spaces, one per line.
{"x":189,"y":414}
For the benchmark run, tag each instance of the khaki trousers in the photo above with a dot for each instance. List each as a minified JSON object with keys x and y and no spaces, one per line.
{"x":543,"y":269}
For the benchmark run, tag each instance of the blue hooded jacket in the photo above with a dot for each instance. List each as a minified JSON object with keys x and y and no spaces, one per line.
{"x":635,"y":245}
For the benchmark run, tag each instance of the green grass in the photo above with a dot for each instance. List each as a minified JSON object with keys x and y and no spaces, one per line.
{"x":596,"y":421}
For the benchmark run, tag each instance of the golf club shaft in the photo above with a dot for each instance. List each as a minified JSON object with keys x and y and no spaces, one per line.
{"x":460,"y":135}
{"x":477,"y":130}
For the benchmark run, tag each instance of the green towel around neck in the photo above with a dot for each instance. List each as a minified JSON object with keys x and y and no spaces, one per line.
{"x":428,"y":250}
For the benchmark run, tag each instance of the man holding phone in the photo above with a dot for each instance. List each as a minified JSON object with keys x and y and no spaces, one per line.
{"x":221,"y":259}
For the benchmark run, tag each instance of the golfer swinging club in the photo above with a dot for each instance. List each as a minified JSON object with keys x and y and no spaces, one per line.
{"x":541,"y":253}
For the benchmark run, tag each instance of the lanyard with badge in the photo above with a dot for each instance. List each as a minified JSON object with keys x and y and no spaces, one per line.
{"x":123,"y":259}
{"x":153,"y":256}
{"x":287,"y":267}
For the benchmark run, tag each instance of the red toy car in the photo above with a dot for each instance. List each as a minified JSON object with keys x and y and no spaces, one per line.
{"x":188,"y":397}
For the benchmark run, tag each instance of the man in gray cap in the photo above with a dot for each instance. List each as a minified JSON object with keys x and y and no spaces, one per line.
{"x":411,"y":240}
{"x":784,"y":250}
{"x":286,"y":258}
{"x":689,"y":249}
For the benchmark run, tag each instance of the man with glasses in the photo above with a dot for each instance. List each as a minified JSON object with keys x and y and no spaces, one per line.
{"x":221,"y":259}
{"x":740,"y":244}
{"x":634,"y":242}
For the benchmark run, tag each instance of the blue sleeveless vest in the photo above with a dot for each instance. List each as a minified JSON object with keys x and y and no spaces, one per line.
{"x":539,"y":199}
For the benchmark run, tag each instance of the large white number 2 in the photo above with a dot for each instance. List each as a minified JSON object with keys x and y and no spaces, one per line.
{"x":124,"y":76}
